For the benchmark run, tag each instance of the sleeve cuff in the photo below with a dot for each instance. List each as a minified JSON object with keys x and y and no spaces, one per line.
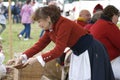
{"x":40,"y":59}
{"x":24,"y":58}
{"x":66,"y":49}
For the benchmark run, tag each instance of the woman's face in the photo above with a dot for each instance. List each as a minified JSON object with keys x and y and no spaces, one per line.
{"x":44,"y":23}
{"x":115,"y":19}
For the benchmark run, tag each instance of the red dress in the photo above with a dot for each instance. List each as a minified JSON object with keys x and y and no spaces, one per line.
{"x":109,"y":34}
{"x":65,"y":33}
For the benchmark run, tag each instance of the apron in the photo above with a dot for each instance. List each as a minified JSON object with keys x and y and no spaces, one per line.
{"x":116,"y":67}
{"x":80,"y":67}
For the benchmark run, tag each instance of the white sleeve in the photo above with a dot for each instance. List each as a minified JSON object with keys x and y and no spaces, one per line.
{"x":24,"y":58}
{"x":40,"y":59}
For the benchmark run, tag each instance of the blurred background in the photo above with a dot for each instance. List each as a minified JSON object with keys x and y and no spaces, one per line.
{"x":69,"y":8}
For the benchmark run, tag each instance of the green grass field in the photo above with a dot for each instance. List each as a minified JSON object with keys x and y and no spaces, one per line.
{"x":12,"y":45}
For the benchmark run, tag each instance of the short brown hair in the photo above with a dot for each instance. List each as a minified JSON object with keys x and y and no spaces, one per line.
{"x":110,"y":10}
{"x":43,"y":12}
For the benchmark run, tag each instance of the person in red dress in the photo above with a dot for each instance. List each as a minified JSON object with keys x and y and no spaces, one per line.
{"x":66,"y":33}
{"x":107,"y":31}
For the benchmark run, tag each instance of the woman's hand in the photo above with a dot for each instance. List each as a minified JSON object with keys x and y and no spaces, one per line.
{"x":30,"y":61}
{"x":19,"y":62}
{"x":14,"y":63}
{"x":11,"y":62}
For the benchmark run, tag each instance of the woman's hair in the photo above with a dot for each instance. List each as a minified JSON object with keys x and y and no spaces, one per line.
{"x":96,"y":16}
{"x":43,"y":12}
{"x":28,"y":1}
{"x":110,"y":10}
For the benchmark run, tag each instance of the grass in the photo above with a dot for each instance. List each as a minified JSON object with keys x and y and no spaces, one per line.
{"x":10,"y":48}
{"x":14,"y":46}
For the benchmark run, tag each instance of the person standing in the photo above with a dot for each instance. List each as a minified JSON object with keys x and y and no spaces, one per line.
{"x":16,"y":13}
{"x":2,"y":18}
{"x":84,"y":17}
{"x":106,"y":31}
{"x":26,"y":13}
{"x":89,"y":60}
{"x":94,"y":18}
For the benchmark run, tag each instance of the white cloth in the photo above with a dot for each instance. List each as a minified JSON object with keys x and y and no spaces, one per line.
{"x":25,"y":58}
{"x":2,"y":66}
{"x":116,"y":67}
{"x":2,"y":19}
{"x":39,"y":58}
{"x":2,"y":70}
{"x":2,"y":57}
{"x":80,"y":67}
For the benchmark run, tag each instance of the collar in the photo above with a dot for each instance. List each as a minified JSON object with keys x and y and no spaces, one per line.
{"x":55,"y":25}
{"x":105,"y":18}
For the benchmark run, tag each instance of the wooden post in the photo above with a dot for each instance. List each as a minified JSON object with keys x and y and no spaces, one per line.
{"x":10,"y":30}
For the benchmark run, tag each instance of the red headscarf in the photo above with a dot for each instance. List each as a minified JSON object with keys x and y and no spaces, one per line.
{"x":97,"y":8}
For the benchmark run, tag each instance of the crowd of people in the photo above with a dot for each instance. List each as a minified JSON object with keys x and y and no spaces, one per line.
{"x":94,"y":40}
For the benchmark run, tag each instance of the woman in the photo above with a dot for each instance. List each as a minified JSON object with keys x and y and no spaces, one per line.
{"x":26,"y":13}
{"x":106,"y":31}
{"x":94,"y":18}
{"x":66,"y":33}
{"x":2,"y":18}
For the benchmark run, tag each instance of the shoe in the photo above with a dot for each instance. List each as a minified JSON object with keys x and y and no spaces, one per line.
{"x":25,"y":39}
{"x":19,"y":36}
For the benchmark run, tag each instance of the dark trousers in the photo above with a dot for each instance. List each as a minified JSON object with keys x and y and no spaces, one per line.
{"x":26,"y":30}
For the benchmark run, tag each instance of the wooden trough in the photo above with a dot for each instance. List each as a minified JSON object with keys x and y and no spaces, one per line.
{"x":37,"y":72}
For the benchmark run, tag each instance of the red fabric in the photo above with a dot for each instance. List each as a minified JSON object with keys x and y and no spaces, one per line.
{"x":65,"y":34}
{"x":109,"y":34}
{"x":88,"y":26}
{"x":81,"y":23}
{"x":98,"y":7}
